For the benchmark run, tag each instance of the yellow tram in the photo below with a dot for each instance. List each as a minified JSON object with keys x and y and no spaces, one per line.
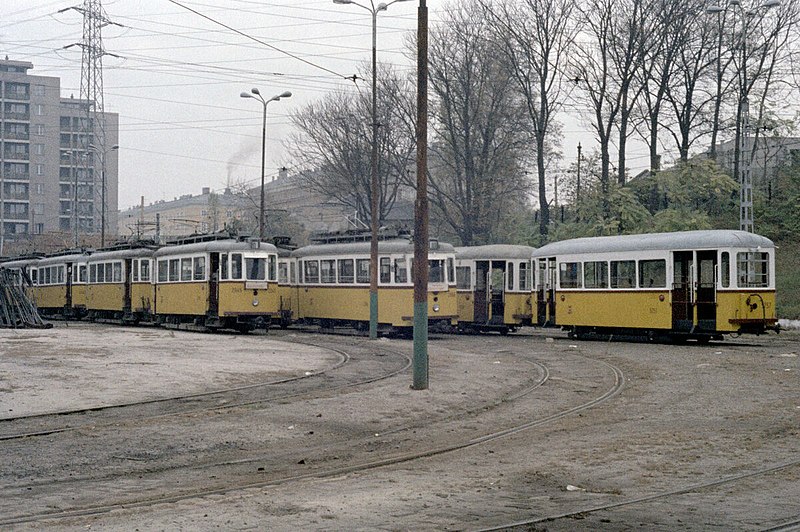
{"x":120,"y":284}
{"x":60,"y":284}
{"x":495,"y":287}
{"x":334,"y":281}
{"x":692,"y":284}
{"x":229,"y":283}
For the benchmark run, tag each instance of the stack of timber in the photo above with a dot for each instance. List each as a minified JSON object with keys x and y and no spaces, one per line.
{"x":17,"y":311}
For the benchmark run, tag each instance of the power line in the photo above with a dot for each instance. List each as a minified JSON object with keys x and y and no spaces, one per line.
{"x":289,"y":54}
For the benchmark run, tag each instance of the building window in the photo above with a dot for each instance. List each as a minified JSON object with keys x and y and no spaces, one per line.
{"x":38,"y":229}
{"x":38,"y":208}
{"x":39,"y":90}
{"x":40,"y":129}
{"x":39,"y":109}
{"x":39,"y":188}
{"x":39,"y":169}
{"x":38,"y":149}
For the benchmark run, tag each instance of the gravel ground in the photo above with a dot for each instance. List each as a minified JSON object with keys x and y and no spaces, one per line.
{"x":690,"y":437}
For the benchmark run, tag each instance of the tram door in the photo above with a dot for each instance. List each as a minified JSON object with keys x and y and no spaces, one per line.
{"x":126,"y":297}
{"x":706,"y":293}
{"x":682,"y":308}
{"x":213,"y":284}
{"x":481,"y":297}
{"x":497,"y":294}
{"x":68,"y":288}
{"x":546,"y":292}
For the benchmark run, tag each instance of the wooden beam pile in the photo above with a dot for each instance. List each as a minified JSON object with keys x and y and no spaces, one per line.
{"x":17,"y":311}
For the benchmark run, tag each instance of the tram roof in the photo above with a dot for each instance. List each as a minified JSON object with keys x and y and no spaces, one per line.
{"x":363,"y":248}
{"x":223,"y":246}
{"x":64,"y":258}
{"x":130,"y":253}
{"x":495,"y":251}
{"x":682,"y":240}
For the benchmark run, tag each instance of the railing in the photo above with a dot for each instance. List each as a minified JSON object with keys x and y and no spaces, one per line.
{"x":17,"y":116}
{"x":12,"y":135}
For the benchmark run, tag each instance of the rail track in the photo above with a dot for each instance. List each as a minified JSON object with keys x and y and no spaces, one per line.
{"x":357,"y":465}
{"x":582,"y":512}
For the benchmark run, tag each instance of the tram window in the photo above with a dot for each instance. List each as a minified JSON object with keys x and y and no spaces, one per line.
{"x":61,"y":270}
{"x":435,"y":271}
{"x":291,"y":272}
{"x":255,"y":268}
{"x":223,"y":266}
{"x":135,"y":271}
{"x":463,"y":276}
{"x":236,"y":266}
{"x":311,"y":271}
{"x":283,"y":272}
{"x":524,"y":276}
{"x":327,"y":271}
{"x":93,"y":273}
{"x":451,"y":271}
{"x":752,"y":269}
{"x":82,"y":273}
{"x":199,"y":268}
{"x":386,"y":270}
{"x":144,"y":269}
{"x":117,"y":272}
{"x":346,"y":271}
{"x":186,"y":269}
{"x":510,"y":276}
{"x":623,"y":274}
{"x":569,"y":274}
{"x":401,"y":272}
{"x":174,"y":274}
{"x":272,"y":267}
{"x":162,"y":271}
{"x":725,"y":269}
{"x":362,"y":270}
{"x":595,"y":274}
{"x":34,"y":276}
{"x":653,"y":273}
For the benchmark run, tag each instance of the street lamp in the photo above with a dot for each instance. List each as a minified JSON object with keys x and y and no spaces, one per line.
{"x":102,"y":153}
{"x":256,"y":95}
{"x":373,"y":188}
{"x":742,"y":162}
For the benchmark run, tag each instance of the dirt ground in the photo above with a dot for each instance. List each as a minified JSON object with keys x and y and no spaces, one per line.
{"x":531,"y":431}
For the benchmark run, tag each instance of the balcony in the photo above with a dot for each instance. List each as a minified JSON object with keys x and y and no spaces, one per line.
{"x":10,"y":155}
{"x":11,"y":115}
{"x":16,"y":135}
{"x":17,"y":95}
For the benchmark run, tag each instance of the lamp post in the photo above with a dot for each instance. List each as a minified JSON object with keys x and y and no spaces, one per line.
{"x":102,"y":153}
{"x":373,"y":188}
{"x":742,"y":161}
{"x":256,"y":95}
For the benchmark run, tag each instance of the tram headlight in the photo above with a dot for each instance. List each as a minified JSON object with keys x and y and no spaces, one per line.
{"x":436,"y":308}
{"x":255,"y":302}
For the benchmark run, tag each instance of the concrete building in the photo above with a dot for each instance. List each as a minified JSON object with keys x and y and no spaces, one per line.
{"x":771,"y":153}
{"x":44,"y":154}
{"x":207,"y":212}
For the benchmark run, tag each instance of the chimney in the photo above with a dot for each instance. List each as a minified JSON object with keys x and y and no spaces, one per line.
{"x":283,"y":172}
{"x":206,"y":191}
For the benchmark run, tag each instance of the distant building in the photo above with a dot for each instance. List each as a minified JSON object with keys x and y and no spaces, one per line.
{"x":771,"y":153}
{"x":207,"y":212}
{"x":44,"y":151}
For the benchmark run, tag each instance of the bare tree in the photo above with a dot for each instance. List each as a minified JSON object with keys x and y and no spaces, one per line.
{"x":672,"y":31}
{"x":537,"y":36}
{"x":480,"y":138}
{"x":687,"y":93}
{"x":334,"y":140}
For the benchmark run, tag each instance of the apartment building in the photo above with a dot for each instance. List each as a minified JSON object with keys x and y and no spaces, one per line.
{"x":48,"y":164}
{"x":207,"y":212}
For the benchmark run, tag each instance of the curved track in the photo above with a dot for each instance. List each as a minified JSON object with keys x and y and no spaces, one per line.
{"x":357,"y":465}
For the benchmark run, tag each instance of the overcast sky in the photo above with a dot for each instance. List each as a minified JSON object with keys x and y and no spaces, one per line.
{"x":183,"y":125}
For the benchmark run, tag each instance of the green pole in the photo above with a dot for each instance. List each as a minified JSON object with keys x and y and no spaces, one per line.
{"x":420,"y":366}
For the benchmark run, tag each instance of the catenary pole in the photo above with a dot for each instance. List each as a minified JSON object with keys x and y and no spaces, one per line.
{"x":420,"y":366}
